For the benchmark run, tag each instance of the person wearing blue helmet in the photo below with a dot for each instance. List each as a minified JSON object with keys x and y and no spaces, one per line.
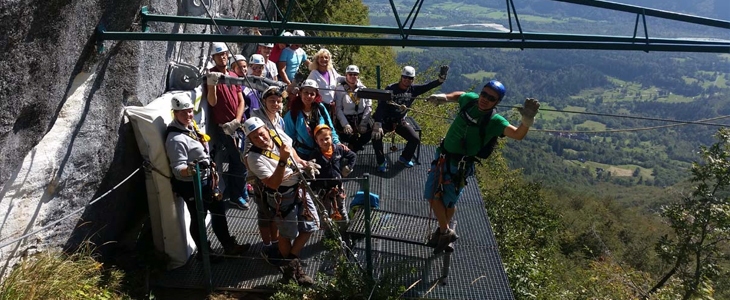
{"x":471,"y":136}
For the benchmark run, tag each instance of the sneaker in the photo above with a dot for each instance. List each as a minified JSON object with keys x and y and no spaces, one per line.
{"x":294,"y":271}
{"x":405,"y":163}
{"x":241,"y":204}
{"x":271,"y":254}
{"x":445,"y":239}
{"x":383,"y":167}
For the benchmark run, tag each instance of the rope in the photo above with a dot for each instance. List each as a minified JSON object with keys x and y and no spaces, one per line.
{"x":13,"y":241}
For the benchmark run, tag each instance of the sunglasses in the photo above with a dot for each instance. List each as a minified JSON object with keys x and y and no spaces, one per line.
{"x":257,"y":67}
{"x":488,"y":96}
{"x":353,"y":74}
{"x":406,"y":77}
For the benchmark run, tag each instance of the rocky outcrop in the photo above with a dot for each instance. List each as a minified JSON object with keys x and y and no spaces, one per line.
{"x":63,"y":141}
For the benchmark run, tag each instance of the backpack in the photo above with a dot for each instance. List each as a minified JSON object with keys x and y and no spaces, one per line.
{"x":488,"y":148}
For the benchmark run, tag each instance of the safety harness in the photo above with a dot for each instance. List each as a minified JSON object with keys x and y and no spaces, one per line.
{"x":210,"y":168}
{"x":443,"y":162}
{"x":283,"y":193}
{"x":313,"y":121}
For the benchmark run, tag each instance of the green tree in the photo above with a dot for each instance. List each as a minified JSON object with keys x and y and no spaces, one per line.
{"x":701,"y":222}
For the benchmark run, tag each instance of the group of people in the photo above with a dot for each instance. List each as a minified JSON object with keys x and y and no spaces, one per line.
{"x":325,"y":125}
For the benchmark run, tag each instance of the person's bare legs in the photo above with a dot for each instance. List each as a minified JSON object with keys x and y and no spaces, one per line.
{"x":441,"y":214}
{"x":299,"y":243}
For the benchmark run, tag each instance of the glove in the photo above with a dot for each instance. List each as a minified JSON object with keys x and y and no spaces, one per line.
{"x":346,"y":171}
{"x":437,"y":99}
{"x":347,"y":129}
{"x":230,"y":127}
{"x":191,"y":168}
{"x":311,"y":169}
{"x":341,"y":80}
{"x":212,"y":77}
{"x":443,"y":72}
{"x":528,"y":111}
{"x":363,"y":128}
{"x":377,"y":131}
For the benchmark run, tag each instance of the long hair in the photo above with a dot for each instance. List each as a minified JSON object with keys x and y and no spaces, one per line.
{"x":314,"y":65}
{"x":296,"y":105}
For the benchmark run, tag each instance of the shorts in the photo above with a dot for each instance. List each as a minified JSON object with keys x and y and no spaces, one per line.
{"x":450,"y":194}
{"x":295,"y":221}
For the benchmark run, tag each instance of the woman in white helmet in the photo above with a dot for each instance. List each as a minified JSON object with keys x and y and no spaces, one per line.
{"x":185,"y":146}
{"x":305,"y":113}
{"x":325,"y":75}
{"x":353,"y":113}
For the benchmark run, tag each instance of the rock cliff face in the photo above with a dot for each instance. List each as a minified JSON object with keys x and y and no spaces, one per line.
{"x":63,"y":140}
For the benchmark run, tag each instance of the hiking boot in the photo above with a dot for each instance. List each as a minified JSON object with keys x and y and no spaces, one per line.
{"x":445,"y":239}
{"x":292,"y":270}
{"x":434,"y":239}
{"x":236,"y":249}
{"x":383,"y":167}
{"x":241,"y":204}
{"x":405,"y":163}
{"x":271,"y":254}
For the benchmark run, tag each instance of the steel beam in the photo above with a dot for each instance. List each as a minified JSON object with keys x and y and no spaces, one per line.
{"x":652,"y":12}
{"x":420,"y":31}
{"x":461,"y":43}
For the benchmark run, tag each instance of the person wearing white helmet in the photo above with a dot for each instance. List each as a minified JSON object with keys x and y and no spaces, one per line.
{"x":187,"y":146}
{"x":324,"y":73}
{"x":270,"y":68}
{"x":239,"y":65}
{"x":227,"y":107}
{"x":257,"y":63}
{"x":270,"y":159}
{"x":291,"y":58}
{"x":390,"y":117}
{"x":306,"y":111}
{"x":353,"y":113}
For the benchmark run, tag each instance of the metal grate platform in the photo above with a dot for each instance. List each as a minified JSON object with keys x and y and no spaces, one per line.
{"x":400,"y":228}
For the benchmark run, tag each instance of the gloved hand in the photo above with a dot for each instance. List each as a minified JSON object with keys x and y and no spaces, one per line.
{"x":377,"y":131}
{"x":191,"y":168}
{"x":443,"y":72}
{"x":230,"y":127}
{"x":311,"y":169}
{"x":437,"y":99}
{"x":346,"y":171}
{"x":347,"y":129}
{"x":212,"y":77}
{"x":363,"y":128}
{"x":341,"y":80}
{"x":528,"y":111}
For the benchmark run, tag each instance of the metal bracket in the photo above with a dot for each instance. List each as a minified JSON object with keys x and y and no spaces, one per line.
{"x":414,"y":13}
{"x":646,"y":30}
{"x":143,"y":13}
{"x":511,"y":3}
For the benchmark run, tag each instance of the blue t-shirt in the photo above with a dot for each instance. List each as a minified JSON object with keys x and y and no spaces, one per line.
{"x":293,"y":59}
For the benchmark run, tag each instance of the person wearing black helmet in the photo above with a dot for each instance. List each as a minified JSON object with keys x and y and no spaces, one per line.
{"x":471,"y":136}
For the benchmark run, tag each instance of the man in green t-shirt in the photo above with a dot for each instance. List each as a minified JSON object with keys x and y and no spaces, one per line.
{"x":471,"y":130}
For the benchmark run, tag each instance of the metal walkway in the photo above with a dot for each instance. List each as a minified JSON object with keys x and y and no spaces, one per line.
{"x":476,"y":270}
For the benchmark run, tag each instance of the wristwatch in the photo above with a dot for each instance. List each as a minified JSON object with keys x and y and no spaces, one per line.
{"x":281,"y":164}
